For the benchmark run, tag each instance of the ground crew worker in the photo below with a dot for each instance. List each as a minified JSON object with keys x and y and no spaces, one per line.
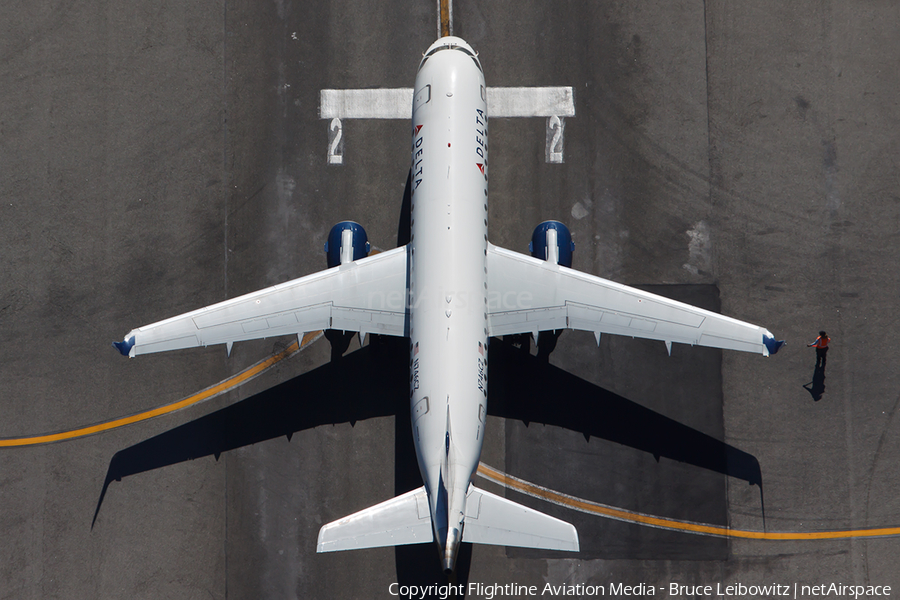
{"x":821,"y":346}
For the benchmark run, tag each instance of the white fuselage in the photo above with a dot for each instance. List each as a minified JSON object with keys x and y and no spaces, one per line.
{"x":448,"y":281}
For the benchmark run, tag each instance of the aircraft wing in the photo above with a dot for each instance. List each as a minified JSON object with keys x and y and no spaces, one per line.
{"x":366,"y":296}
{"x":528,"y":295}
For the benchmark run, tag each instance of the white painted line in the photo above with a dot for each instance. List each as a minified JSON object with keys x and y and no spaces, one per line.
{"x":366,"y":104}
{"x":553,"y":103}
{"x":530,"y":102}
{"x":396,"y":103}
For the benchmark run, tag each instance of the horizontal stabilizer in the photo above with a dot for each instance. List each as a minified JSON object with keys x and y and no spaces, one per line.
{"x":497,"y":521}
{"x":395,"y":522}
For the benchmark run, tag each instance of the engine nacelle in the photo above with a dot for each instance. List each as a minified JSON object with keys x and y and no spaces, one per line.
{"x":347,"y":241}
{"x":551,"y":241}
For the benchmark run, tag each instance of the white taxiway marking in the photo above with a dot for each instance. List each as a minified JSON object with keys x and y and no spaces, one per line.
{"x":553,"y":103}
{"x":366,"y":104}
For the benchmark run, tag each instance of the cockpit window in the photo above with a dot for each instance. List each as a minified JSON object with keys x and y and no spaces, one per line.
{"x":452,"y":47}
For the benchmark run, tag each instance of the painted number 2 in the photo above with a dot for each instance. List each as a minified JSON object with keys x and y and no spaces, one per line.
{"x":554,"y":149}
{"x":335,"y":142}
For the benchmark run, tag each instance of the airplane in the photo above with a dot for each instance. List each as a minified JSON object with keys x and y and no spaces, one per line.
{"x":449,"y":290}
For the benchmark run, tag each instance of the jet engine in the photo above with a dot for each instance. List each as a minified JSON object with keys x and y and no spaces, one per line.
{"x":551,"y":241}
{"x":347,"y":241}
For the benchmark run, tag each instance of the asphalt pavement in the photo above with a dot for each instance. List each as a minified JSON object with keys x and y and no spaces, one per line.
{"x":157,"y":157}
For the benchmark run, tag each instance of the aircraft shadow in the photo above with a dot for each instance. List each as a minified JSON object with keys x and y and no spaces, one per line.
{"x":369,"y":383}
{"x":373,"y":382}
{"x":520,"y":386}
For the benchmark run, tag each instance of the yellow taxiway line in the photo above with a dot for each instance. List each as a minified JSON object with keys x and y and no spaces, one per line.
{"x":219,"y":388}
{"x":595,"y":508}
{"x":485,"y":471}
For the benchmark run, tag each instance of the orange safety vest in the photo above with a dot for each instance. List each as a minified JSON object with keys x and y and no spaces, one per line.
{"x":821,"y":342}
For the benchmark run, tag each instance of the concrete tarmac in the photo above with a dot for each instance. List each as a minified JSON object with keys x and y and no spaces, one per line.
{"x":158,"y":157}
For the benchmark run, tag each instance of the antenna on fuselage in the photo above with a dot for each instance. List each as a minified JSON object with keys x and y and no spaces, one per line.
{"x":445,"y":18}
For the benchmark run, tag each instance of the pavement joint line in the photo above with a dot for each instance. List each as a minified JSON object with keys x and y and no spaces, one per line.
{"x":595,"y":508}
{"x":206,"y":394}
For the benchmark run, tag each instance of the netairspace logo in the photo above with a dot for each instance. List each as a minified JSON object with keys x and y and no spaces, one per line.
{"x":493,"y":301}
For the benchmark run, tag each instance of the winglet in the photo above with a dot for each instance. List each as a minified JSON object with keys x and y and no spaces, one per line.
{"x":771,"y":344}
{"x":125,"y":347}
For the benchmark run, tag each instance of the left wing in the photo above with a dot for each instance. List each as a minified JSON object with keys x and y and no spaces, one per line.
{"x":366,"y":296}
{"x":527,"y":295}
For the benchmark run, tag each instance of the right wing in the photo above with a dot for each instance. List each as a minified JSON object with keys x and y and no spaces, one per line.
{"x":366,"y":296}
{"x":527,"y":295}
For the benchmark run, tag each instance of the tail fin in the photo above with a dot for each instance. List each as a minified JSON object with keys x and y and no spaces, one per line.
{"x":493,"y":520}
{"x":395,"y":522}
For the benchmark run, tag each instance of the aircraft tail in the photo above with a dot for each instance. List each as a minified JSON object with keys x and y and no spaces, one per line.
{"x":494,"y":520}
{"x":489,"y":519}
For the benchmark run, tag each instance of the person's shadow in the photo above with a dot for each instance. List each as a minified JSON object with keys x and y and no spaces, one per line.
{"x":817,"y":386}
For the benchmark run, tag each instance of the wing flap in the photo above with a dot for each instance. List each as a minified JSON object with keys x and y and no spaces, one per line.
{"x":187,"y":341}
